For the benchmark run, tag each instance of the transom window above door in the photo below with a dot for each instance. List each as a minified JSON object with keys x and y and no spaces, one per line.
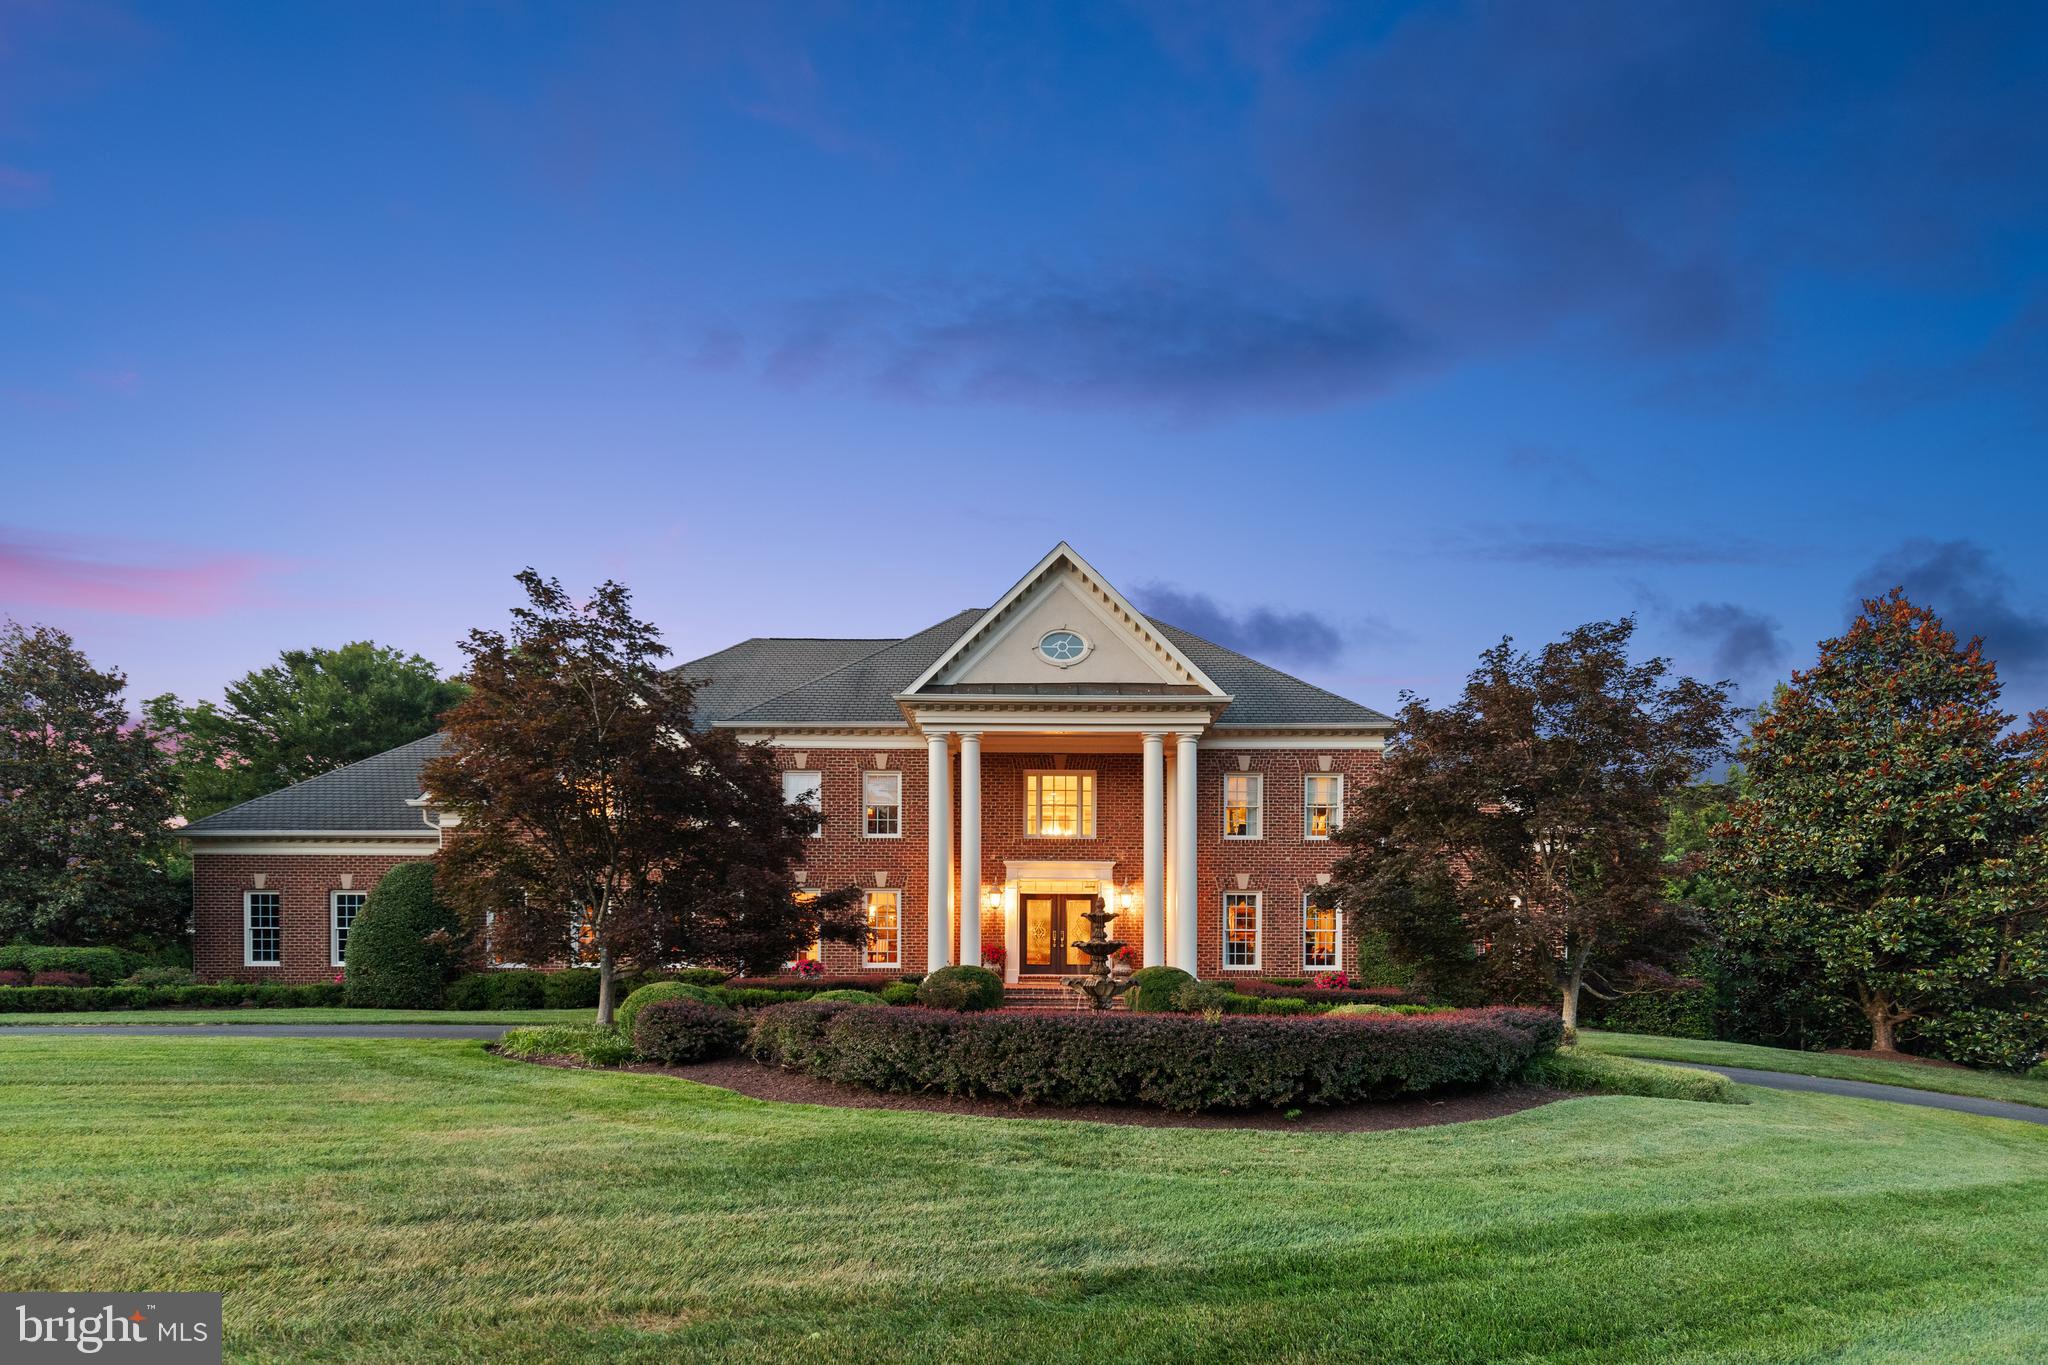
{"x":1059,"y":805}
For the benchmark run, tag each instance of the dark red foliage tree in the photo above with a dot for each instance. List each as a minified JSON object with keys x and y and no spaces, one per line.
{"x":598,"y":823}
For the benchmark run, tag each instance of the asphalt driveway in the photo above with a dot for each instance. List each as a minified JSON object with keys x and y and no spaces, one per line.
{"x":1870,"y":1090}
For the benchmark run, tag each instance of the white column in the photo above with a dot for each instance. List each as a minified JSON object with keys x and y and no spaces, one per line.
{"x":1187,"y":908}
{"x":970,"y":847}
{"x":1155,"y":849}
{"x":938,"y":863}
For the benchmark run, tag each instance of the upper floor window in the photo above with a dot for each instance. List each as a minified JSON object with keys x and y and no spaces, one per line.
{"x":1320,"y":951}
{"x":882,"y":797}
{"x":1059,"y":805}
{"x":1243,"y":796}
{"x":1322,"y":804}
{"x":885,"y":929}
{"x":1241,"y":929}
{"x":799,"y":785}
{"x":262,"y":928}
{"x":342,"y":909}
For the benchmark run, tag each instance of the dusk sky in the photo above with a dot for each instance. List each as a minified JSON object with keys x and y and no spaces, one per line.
{"x":1353,"y":336}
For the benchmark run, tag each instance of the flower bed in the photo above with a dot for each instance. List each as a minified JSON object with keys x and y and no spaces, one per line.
{"x":1175,"y":1062}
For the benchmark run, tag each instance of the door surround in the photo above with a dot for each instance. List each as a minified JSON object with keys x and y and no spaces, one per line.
{"x":1102,"y":874}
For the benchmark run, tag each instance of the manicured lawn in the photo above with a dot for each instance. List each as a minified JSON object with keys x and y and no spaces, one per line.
{"x":304,"y":1016}
{"x":1990,"y":1085}
{"x":424,"y":1201}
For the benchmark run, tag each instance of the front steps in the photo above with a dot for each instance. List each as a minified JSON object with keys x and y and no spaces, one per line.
{"x":1046,"y":996}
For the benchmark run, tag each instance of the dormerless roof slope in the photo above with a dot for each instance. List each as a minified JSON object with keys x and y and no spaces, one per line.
{"x":768,"y":682}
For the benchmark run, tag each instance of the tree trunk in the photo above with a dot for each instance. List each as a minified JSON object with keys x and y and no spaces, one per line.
{"x":1882,"y":1036}
{"x":604,"y":987}
{"x":1571,"y":1007}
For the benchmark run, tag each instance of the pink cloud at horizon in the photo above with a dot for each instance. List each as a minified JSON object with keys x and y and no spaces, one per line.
{"x":174,"y":586}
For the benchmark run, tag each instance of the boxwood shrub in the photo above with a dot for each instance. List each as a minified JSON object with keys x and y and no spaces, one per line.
{"x":399,"y":948}
{"x":852,"y":997}
{"x":961,"y":988}
{"x":227,"y":995}
{"x":674,"y":1032}
{"x":1155,"y":990}
{"x":899,"y":993}
{"x":656,"y":991}
{"x":1346,"y":995}
{"x":789,"y":983}
{"x":1173,"y":1061}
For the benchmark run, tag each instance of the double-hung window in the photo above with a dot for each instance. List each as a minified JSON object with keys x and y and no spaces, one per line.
{"x":1059,"y":805}
{"x":885,"y":929}
{"x":882,"y":800}
{"x":262,"y":929}
{"x":342,"y":909}
{"x":1321,"y":950}
{"x":816,"y":951}
{"x":1322,"y":804}
{"x":1243,"y":796}
{"x":800,"y":786}
{"x":1241,"y":930}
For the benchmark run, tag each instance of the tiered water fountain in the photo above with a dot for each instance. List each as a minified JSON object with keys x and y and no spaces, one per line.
{"x":1105,"y":980}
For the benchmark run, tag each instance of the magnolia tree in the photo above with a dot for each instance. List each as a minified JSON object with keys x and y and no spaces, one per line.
{"x":1519,"y":833}
{"x":598,"y":823}
{"x":1889,"y":847}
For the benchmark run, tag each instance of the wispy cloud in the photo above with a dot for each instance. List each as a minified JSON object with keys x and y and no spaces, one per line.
{"x":1269,"y":632}
{"x":1973,"y":595}
{"x":41,"y":575}
{"x":1564,"y":548}
{"x":1742,"y":642}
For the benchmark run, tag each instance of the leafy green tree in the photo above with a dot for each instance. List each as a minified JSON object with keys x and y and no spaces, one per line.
{"x":1528,"y":818}
{"x":85,"y":797}
{"x":598,"y":822}
{"x":312,"y":711}
{"x":1890,"y":842}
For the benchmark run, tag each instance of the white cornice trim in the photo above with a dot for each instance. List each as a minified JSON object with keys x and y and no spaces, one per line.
{"x":308,"y":845}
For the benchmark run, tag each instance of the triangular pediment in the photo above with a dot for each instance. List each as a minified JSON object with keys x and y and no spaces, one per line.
{"x":1063,"y":625}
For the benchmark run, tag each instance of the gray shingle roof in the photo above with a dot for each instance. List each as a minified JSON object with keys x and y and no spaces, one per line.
{"x":864,"y":691}
{"x":366,"y":797}
{"x":753,"y":671}
{"x":1264,"y":695}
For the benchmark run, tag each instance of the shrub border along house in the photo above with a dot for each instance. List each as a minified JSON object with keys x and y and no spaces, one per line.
{"x":1172,"y":1061}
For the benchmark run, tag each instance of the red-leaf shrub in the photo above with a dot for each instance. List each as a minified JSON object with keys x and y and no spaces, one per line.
{"x":1173,"y":1061}
{"x":677,"y":1031}
{"x":790,"y":981}
{"x":13,"y":978}
{"x":1314,"y":995}
{"x":62,"y":979}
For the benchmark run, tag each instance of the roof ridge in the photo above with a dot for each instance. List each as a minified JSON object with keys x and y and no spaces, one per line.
{"x":853,"y":663}
{"x":434,"y":734}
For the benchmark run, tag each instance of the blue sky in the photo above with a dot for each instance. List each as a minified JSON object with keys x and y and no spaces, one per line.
{"x":1359,"y":336}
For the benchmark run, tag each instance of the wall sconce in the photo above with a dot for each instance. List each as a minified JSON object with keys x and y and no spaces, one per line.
{"x":1123,"y":900}
{"x":994,"y":899}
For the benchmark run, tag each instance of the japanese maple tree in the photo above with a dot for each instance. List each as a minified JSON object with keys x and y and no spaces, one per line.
{"x":1890,"y":843}
{"x":1518,"y":834}
{"x":598,"y":822}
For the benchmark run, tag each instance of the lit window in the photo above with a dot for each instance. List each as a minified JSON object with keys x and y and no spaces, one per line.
{"x":1243,"y":795}
{"x":343,"y":907}
{"x":1241,"y":929}
{"x":1059,"y":805}
{"x":262,"y":929}
{"x":583,"y":939}
{"x":885,"y":929}
{"x":1322,"y":804}
{"x":1319,"y":951}
{"x":816,"y":952}
{"x":882,"y":794}
{"x":800,"y":786}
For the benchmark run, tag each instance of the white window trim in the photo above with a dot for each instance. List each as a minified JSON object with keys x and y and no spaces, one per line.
{"x":1336,"y":810}
{"x":249,"y":929}
{"x":1094,"y":804}
{"x":1256,"y":825}
{"x":1337,"y":919}
{"x":1258,"y":899}
{"x":867,"y":901}
{"x":818,"y":831}
{"x":896,"y":773}
{"x":334,"y":921}
{"x":818,"y":943}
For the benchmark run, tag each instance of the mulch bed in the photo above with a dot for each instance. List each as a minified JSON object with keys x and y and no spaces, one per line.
{"x":1877,"y":1056}
{"x":1423,"y":1111}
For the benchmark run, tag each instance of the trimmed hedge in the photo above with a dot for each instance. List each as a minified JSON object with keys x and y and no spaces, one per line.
{"x":103,"y":966}
{"x":1347,"y":995}
{"x":853,"y":997}
{"x":789,"y":983}
{"x":961,"y":988}
{"x":674,"y":1032}
{"x":1173,"y":1061}
{"x":1592,"y":1073}
{"x":653,"y":992}
{"x":1155,"y":990}
{"x":399,"y":947}
{"x":899,"y":993}
{"x":227,"y":995}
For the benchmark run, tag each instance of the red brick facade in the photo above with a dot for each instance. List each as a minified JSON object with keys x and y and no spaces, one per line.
{"x":1281,"y":865}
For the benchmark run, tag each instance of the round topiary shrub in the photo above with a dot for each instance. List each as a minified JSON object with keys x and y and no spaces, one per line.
{"x":402,"y":944}
{"x":899,"y":993}
{"x":1156,"y":990}
{"x":852,"y":997}
{"x":681,"y":1030}
{"x":967,"y":989}
{"x":630,"y":1007}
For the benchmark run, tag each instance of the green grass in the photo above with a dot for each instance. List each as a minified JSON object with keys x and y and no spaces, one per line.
{"x":303,"y":1016}
{"x":1990,"y":1085}
{"x":425,"y":1201}
{"x":1585,"y":1072}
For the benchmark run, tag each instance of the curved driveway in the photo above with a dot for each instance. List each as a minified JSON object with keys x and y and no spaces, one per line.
{"x":1870,"y":1090}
